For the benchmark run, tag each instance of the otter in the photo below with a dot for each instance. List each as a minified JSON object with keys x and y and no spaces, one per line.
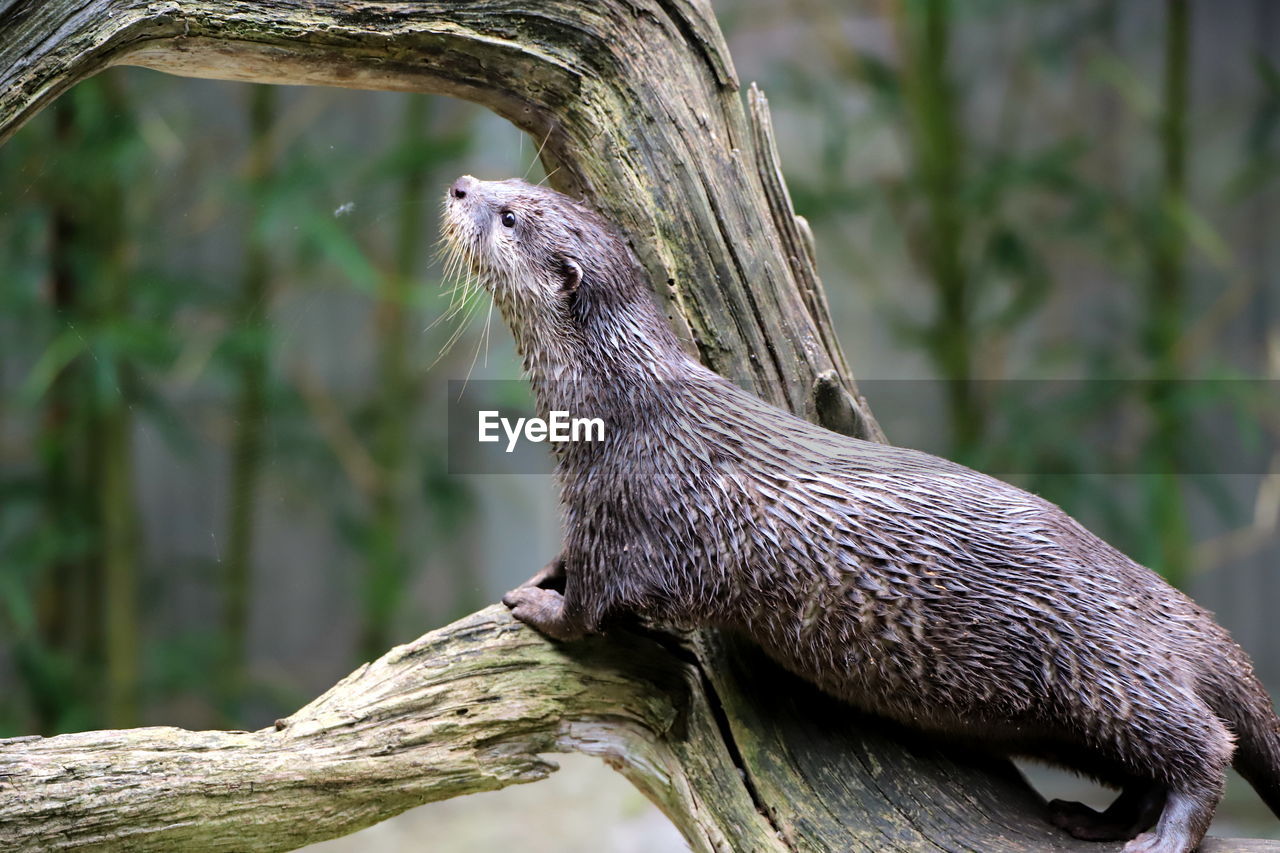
{"x":902,"y":583}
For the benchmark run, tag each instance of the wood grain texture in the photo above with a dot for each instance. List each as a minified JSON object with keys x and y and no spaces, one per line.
{"x":470,"y":707}
{"x":477,"y":705}
{"x":641,"y":113}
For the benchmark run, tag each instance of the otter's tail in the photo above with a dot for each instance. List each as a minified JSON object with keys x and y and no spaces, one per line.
{"x":1257,"y":755}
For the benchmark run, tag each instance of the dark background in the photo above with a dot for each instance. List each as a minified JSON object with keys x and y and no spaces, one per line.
{"x":224,"y":368}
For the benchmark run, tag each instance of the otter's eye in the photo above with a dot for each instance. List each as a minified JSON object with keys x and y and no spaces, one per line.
{"x":508,"y":219}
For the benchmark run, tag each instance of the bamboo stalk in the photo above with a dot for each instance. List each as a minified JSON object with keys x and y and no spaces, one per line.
{"x":54,"y":597}
{"x":387,"y":569}
{"x":113,"y":461}
{"x":937,"y":144}
{"x":1166,"y":306}
{"x":251,"y":407}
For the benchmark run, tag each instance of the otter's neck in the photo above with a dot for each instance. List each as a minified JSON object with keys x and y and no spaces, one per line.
{"x":617,"y":355}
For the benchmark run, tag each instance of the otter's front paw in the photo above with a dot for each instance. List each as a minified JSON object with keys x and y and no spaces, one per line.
{"x":542,"y":610}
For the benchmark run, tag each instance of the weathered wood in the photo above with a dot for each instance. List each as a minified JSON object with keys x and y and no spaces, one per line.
{"x":637,"y":107}
{"x":470,"y":707}
{"x":473,"y":707}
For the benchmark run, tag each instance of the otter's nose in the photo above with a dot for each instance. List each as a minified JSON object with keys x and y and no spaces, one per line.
{"x":462,"y":186}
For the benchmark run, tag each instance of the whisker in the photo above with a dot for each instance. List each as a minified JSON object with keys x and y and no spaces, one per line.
{"x":488,"y":324}
{"x":479,"y":343}
{"x":537,"y":155}
{"x":457,"y":334}
{"x":548,"y":175}
{"x":464,"y":288}
{"x":451,"y":313}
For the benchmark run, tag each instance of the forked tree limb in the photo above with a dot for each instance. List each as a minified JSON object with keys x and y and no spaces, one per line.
{"x":467,"y":708}
{"x":473,"y":707}
{"x":640,"y":111}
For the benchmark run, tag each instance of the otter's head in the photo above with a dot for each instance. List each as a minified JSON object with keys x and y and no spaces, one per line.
{"x":548,"y":260}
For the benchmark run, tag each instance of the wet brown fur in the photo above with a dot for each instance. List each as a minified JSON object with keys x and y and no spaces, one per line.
{"x":903,"y":583}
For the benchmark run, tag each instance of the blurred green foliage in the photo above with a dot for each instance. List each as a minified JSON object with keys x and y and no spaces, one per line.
{"x":104,"y":332}
{"x":996,"y":207}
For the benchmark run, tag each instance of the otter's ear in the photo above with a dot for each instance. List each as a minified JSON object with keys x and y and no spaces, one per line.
{"x":572,"y":273}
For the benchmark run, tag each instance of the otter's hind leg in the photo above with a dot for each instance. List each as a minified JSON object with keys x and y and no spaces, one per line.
{"x":1135,"y":810}
{"x":1185,"y":820}
{"x":1171,"y":761}
{"x":1189,"y":750}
